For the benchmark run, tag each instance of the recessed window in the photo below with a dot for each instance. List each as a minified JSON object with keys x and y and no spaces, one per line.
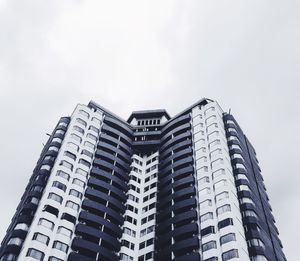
{"x":63,"y":124}
{"x":204,"y":192}
{"x":50,"y":209}
{"x":205,"y":203}
{"x":84,"y":162}
{"x":78,"y":182}
{"x":8,"y":257}
{"x":203,"y":180}
{"x":71,"y":204}
{"x":68,"y":217}
{"x":37,"y":188}
{"x":66,"y":164}
{"x":220,"y":184}
{"x":233,"y":253}
{"x":55,"y":197}
{"x":60,"y":132}
{"x":81,"y":172}
{"x":94,"y":129}
{"x":206,"y":216}
{"x":64,"y":231}
{"x":63,"y":174}
{"x":82,"y":122}
{"x":60,"y":246}
{"x":96,"y":120}
{"x":59,"y":185}
{"x":70,"y":155}
{"x":58,"y":140}
{"x":77,"y":128}
{"x":76,"y":137}
{"x":87,"y":153}
{"x":225,"y":222}
{"x":53,"y":148}
{"x":22,"y":226}
{"x":209,"y":245}
{"x":91,"y":136}
{"x":53,"y":258}
{"x":75,"y":193}
{"x":222,"y":196}
{"x":46,"y":223}
{"x":218,"y":173}
{"x":36,"y":254}
{"x":41,"y":238}
{"x":227,"y":238}
{"x":45,"y":167}
{"x":84,"y":113}
{"x":73,"y":146}
{"x":89,"y":145}
{"x":207,"y":231}
{"x":223,"y":209}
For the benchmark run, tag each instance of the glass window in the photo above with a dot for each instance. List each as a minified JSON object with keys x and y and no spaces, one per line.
{"x":60,"y":246}
{"x":73,"y":146}
{"x":76,"y":137}
{"x":55,"y":197}
{"x":53,"y":258}
{"x":66,"y":164}
{"x":63,"y":174}
{"x":94,"y":129}
{"x":209,"y":245}
{"x":206,"y":216}
{"x":84,"y":162}
{"x":45,"y":167}
{"x":218,"y":173}
{"x":37,"y":188}
{"x":41,"y":238}
{"x":22,"y":226}
{"x":81,"y":172}
{"x":63,"y":124}
{"x":223,"y":209}
{"x":220,"y":184}
{"x":59,"y":132}
{"x":15,"y":241}
{"x":247,"y":200}
{"x":204,"y":191}
{"x":70,"y":155}
{"x":203,"y":180}
{"x":8,"y":257}
{"x":84,"y":113}
{"x":59,"y":185}
{"x":227,"y":238}
{"x":243,"y":187}
{"x":82,"y":122}
{"x":233,"y":253}
{"x":78,"y":182}
{"x":96,"y":120}
{"x":87,"y":153}
{"x":58,"y":140}
{"x":36,"y":254}
{"x":225,"y":222}
{"x":222,"y":195}
{"x":75,"y":193}
{"x":89,"y":145}
{"x":53,"y":148}
{"x":46,"y":223}
{"x":77,"y":128}
{"x":71,"y":204}
{"x":64,"y":231}
{"x":205,"y":203}
{"x":91,"y":136}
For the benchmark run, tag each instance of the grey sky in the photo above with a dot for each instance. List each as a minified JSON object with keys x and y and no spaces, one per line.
{"x":129,"y":55}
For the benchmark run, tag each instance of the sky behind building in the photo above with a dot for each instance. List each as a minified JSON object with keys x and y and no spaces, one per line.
{"x":161,"y":54}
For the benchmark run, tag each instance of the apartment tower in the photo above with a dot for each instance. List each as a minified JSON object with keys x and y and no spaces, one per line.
{"x":154,"y":187}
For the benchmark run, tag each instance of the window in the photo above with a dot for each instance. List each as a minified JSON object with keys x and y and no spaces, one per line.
{"x":223,"y":209}
{"x":89,"y":145}
{"x":206,"y":216}
{"x":221,"y":196}
{"x":227,"y":238}
{"x":46,"y":223}
{"x":73,"y":146}
{"x":256,"y":242}
{"x":64,"y":231}
{"x":66,"y":164}
{"x":91,"y":136}
{"x":59,"y":185}
{"x":220,"y":184}
{"x":45,"y":167}
{"x":225,"y":222}
{"x":84,"y":113}
{"x":75,"y":193}
{"x":96,"y":120}
{"x":37,"y":188}
{"x":214,"y":258}
{"x":217,"y":162}
{"x":127,"y":244}
{"x":15,"y":241}
{"x":60,"y":246}
{"x":94,"y":129}
{"x":52,"y":148}
{"x":207,"y":231}
{"x":59,"y":132}
{"x":87,"y":153}
{"x":78,"y":182}
{"x":76,"y":137}
{"x":218,"y":173}
{"x":22,"y":226}
{"x":82,"y":122}
{"x":58,"y":140}
{"x":204,"y":192}
{"x":259,"y":258}
{"x":243,"y":188}
{"x":247,"y":200}
{"x":203,"y":180}
{"x":34,"y":200}
{"x":36,"y":254}
{"x":68,"y":217}
{"x":130,"y":232}
{"x":55,"y":197}
{"x":209,"y":245}
{"x":205,"y":203}
{"x":41,"y":238}
{"x":124,"y":257}
{"x":8,"y":257}
{"x":70,"y":155}
{"x":52,"y":210}
{"x":233,"y":253}
{"x":80,"y":130}
{"x":53,"y":258}
{"x":81,"y":172}
{"x":249,"y":213}
{"x":63,"y":174}
{"x":63,"y":124}
{"x":71,"y":204}
{"x":84,"y":162}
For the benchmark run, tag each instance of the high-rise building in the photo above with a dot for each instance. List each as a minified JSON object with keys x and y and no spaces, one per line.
{"x":186,"y":188}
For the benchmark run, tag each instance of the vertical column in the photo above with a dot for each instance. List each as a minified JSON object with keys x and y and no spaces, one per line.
{"x":222,"y":233}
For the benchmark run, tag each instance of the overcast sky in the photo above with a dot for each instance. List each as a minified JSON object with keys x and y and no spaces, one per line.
{"x":130,"y":55}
